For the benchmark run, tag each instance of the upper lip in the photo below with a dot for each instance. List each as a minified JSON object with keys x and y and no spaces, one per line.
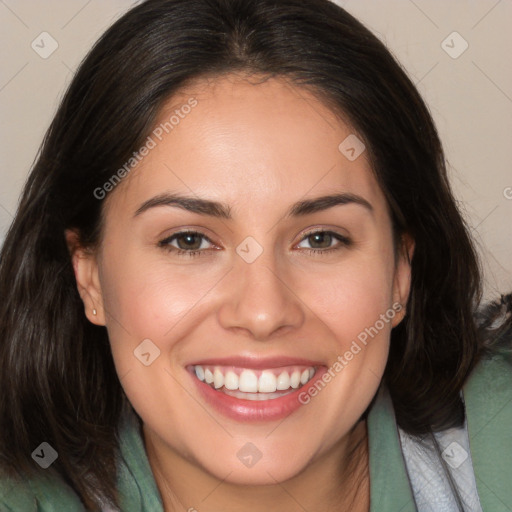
{"x":256,"y":362}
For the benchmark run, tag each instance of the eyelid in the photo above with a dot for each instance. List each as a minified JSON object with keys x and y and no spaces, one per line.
{"x":183,"y":232}
{"x":198,"y":230}
{"x":324,"y":229}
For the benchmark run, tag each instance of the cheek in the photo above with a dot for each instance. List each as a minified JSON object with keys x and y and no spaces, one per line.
{"x":352,"y":297}
{"x":150,"y":300}
{"x":148,"y":308}
{"x":355,"y":308}
{"x":350,"y":306}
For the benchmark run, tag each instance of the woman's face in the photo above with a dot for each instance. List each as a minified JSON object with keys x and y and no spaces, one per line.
{"x":255,"y":301}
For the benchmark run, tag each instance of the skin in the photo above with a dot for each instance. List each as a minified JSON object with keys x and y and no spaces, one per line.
{"x":259,"y":148}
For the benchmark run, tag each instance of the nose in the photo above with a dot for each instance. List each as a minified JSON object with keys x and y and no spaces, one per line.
{"x":260,"y":299}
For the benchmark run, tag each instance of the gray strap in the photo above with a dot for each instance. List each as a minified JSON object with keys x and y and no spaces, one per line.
{"x":430,"y":484}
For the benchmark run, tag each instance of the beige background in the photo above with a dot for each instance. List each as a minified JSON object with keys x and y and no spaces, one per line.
{"x":470,"y":96}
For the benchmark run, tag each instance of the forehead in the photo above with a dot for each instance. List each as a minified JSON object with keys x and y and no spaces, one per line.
{"x":248,"y":142}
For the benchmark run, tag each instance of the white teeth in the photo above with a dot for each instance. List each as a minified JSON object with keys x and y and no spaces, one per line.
{"x":208,"y":376}
{"x":231,"y":380}
{"x":218,"y":378}
{"x":267,"y":382}
{"x":295,"y":379}
{"x":283,"y":381}
{"x":199,"y":372}
{"x":248,"y":382}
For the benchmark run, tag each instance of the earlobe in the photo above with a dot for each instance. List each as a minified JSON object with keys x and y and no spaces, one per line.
{"x":85,"y":267}
{"x":402,"y":281}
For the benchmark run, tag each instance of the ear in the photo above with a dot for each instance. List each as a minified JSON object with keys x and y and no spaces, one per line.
{"x":402,"y":279}
{"x":85,"y":267}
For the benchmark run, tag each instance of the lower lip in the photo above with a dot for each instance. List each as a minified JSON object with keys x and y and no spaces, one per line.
{"x":254,"y":410}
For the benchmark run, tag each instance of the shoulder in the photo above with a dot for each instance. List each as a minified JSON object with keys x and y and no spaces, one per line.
{"x":487,"y":395}
{"x":488,"y":389}
{"x":16,"y":496}
{"x":43,"y":493}
{"x":488,"y":403}
{"x":47,"y":492}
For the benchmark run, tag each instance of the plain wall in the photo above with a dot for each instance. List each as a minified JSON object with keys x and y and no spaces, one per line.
{"x":469,"y":95}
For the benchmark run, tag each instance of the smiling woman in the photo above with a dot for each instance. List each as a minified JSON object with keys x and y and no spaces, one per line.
{"x":273,"y":305}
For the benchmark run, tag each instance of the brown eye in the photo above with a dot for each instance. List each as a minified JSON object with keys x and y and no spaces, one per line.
{"x":321,"y":241}
{"x":187,"y":242}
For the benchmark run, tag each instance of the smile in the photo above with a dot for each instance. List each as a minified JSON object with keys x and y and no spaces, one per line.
{"x":254,"y":384}
{"x":254,"y":391}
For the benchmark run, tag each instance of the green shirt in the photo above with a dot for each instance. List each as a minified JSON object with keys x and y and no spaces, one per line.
{"x":488,"y":401}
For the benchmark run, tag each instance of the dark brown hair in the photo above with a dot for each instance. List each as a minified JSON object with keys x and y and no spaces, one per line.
{"x":57,"y":367}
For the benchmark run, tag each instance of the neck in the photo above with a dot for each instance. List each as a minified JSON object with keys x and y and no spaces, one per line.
{"x":335,"y":480}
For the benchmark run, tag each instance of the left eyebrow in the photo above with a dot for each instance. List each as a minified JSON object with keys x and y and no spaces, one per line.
{"x":222,"y":210}
{"x":318,"y":204}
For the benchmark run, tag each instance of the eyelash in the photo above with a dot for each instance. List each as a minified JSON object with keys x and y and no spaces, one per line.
{"x":165,"y":244}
